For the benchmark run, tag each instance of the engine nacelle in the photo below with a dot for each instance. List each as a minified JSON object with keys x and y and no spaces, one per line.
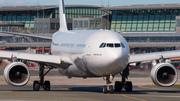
{"x":17,"y":74}
{"x":164,"y":74}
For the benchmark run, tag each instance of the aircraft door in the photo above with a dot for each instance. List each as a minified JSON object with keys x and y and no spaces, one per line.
{"x":90,"y":46}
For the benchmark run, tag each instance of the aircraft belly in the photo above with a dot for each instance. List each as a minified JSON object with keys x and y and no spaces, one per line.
{"x":78,"y":69}
{"x":73,"y":71}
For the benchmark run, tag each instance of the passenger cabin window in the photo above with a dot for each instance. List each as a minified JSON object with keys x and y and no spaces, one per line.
{"x":122,"y":45}
{"x":81,"y":45}
{"x":111,"y":45}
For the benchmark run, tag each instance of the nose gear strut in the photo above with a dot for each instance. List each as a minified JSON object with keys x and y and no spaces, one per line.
{"x":108,"y":87}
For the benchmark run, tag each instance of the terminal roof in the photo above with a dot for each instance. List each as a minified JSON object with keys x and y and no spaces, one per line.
{"x":27,"y":8}
{"x":131,"y":7}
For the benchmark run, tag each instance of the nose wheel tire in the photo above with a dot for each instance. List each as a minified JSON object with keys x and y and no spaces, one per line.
{"x":47,"y":85}
{"x":110,"y":89}
{"x":105,"y":89}
{"x":128,"y":86}
{"x":36,"y":86}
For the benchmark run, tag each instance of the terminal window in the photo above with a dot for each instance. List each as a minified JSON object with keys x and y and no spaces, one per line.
{"x":144,"y":20}
{"x":53,"y":26}
{"x":80,"y":24}
{"x":85,"y":24}
{"x":178,"y":22}
{"x":75,"y":24}
{"x":92,"y":24}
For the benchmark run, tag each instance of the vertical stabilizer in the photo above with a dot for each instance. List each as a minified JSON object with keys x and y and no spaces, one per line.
{"x":62,"y":16}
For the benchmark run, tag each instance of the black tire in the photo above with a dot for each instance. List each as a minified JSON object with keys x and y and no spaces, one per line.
{"x":110,"y":89}
{"x":128,"y":86}
{"x":105,"y":89}
{"x":36,"y":86}
{"x":118,"y":86}
{"x":47,"y":86}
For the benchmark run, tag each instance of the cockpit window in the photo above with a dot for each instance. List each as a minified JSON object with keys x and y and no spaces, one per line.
{"x":111,"y":45}
{"x":101,"y":45}
{"x":122,"y":45}
{"x":117,"y":45}
{"x":104,"y":45}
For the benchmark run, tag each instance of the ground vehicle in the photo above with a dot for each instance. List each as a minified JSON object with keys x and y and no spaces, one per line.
{"x":31,"y":65}
{"x":178,"y":67}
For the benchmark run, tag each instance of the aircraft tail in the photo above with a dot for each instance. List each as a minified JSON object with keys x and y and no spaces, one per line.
{"x":62,"y":16}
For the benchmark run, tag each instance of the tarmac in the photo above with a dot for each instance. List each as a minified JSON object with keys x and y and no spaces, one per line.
{"x":90,"y":89}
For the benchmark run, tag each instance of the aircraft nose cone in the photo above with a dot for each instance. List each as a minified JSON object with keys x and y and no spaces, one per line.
{"x":115,"y":54}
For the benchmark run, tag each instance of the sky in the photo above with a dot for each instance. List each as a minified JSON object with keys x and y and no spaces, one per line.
{"x":85,"y":2}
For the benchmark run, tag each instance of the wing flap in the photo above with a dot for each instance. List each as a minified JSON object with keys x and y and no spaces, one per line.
{"x":134,"y":58}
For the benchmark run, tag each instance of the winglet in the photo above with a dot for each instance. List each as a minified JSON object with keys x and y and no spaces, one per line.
{"x":62,"y":17}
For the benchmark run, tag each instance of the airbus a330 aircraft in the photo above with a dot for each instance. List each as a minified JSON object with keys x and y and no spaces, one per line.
{"x":87,"y":53}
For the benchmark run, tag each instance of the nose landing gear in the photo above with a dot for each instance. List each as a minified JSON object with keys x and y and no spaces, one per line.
{"x":108,"y":87}
{"x":119,"y":85}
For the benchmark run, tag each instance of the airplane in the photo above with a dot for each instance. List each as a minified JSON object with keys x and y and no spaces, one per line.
{"x":87,"y":53}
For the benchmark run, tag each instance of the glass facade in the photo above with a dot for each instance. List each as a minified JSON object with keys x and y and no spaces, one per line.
{"x":25,"y":19}
{"x":149,"y":20}
{"x":153,"y":39}
{"x":22,"y":19}
{"x":74,"y":12}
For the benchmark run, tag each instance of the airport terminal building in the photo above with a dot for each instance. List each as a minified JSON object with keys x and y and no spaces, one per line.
{"x":137,"y":18}
{"x":145,"y":18}
{"x":145,"y":27}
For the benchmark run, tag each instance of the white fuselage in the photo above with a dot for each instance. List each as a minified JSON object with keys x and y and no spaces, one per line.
{"x":90,"y":58}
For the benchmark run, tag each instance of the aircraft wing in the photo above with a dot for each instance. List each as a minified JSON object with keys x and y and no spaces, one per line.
{"x":40,"y":58}
{"x":28,"y":35}
{"x":134,"y":58}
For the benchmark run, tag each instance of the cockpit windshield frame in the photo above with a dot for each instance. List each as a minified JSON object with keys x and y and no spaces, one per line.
{"x":111,"y":45}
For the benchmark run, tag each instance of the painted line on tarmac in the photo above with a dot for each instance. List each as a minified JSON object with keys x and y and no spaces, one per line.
{"x":162,"y":96}
{"x":133,"y":98}
{"x":152,"y":88}
{"x":78,"y":99}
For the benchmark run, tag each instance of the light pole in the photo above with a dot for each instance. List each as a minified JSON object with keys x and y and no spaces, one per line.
{"x":43,"y":28}
{"x":37,"y":30}
{"x":102,"y":3}
{"x":108,"y":17}
{"x":37,"y":26}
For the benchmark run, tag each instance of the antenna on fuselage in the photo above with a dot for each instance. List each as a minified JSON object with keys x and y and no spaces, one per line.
{"x":62,"y":17}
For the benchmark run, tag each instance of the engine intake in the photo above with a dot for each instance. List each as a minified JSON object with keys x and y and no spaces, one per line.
{"x":16,"y":74}
{"x":164,"y":74}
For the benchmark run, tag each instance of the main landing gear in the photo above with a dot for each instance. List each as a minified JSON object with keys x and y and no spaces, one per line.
{"x":42,"y":84}
{"x":119,"y":85}
{"x":127,"y":85}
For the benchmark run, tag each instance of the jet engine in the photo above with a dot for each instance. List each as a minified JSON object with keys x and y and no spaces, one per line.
{"x":164,"y":74}
{"x":17,"y":74}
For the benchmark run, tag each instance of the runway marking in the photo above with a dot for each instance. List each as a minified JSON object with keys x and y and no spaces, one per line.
{"x":133,"y":98}
{"x":152,"y":88}
{"x":158,"y":96}
{"x":79,"y":99}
